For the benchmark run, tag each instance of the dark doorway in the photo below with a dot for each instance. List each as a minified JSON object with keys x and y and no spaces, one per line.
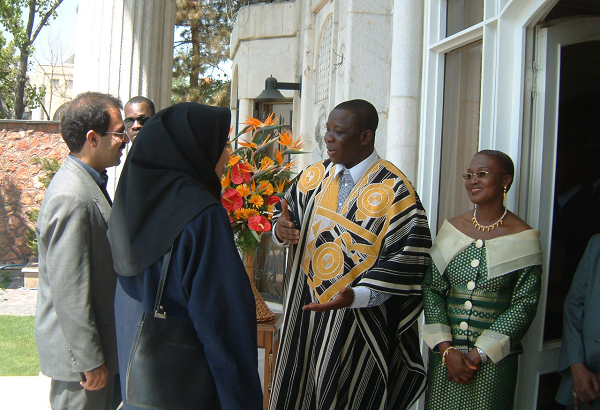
{"x":577,"y":188}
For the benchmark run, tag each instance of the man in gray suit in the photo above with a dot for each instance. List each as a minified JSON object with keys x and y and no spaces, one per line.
{"x":74,"y":323}
{"x":580,"y":352}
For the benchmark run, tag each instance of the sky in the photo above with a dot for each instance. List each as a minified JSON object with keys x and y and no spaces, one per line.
{"x":56,"y":41}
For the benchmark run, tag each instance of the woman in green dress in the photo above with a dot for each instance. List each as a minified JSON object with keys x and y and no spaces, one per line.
{"x":480,"y":294}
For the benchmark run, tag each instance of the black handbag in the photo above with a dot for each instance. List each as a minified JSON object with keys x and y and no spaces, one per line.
{"x":167,"y":367}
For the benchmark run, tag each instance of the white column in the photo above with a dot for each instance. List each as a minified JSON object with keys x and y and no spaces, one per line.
{"x":125,"y":48}
{"x":245,"y":109}
{"x":405,"y":86}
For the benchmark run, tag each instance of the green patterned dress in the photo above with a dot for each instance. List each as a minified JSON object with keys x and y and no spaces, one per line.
{"x":486,"y":296}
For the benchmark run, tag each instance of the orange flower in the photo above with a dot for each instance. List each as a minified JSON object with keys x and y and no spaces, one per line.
{"x":254,"y":123}
{"x":233,"y":160}
{"x":280,"y":187}
{"x":243,"y":190}
{"x":289,"y":165}
{"x":278,"y":156}
{"x":287,"y":140}
{"x":256,"y":200}
{"x":265,"y":188}
{"x":265,"y":163}
{"x":249,"y":213}
{"x":248,"y":144}
{"x":225,"y":181}
{"x":238,"y":214}
{"x":259,"y":223}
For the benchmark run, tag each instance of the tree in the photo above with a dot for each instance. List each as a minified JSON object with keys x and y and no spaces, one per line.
{"x":24,"y":35}
{"x":8,"y":65}
{"x":205,"y":28}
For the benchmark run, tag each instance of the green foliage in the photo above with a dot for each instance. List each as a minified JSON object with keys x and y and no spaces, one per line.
{"x":18,"y":354}
{"x":205,"y":29}
{"x":209,"y":91}
{"x":246,"y":240}
{"x":8,"y":66}
{"x":4,"y":280}
{"x":48,"y":167}
{"x":19,"y":18}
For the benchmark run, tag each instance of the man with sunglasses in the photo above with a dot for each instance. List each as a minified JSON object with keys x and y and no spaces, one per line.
{"x":138,"y":110}
{"x":74,"y":322}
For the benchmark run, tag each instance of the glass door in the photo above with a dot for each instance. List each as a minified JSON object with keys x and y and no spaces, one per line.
{"x":565,"y":147}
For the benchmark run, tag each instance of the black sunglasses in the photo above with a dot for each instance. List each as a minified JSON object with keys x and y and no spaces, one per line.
{"x":129,"y":121}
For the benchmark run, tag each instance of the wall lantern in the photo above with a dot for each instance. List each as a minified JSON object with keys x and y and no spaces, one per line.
{"x":271,"y":92}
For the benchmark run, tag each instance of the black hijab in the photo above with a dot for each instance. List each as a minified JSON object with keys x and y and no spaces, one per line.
{"x":168,"y":178}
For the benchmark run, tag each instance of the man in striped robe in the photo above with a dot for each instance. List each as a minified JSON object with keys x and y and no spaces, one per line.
{"x":359,"y":235}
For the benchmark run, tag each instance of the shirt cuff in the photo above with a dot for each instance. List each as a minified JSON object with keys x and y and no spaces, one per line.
{"x":276,"y":240}
{"x":495,"y":345}
{"x":436,"y":333}
{"x":367,"y":297}
{"x":362,"y":295}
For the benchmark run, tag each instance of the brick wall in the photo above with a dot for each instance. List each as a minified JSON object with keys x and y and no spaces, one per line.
{"x":20,"y":190}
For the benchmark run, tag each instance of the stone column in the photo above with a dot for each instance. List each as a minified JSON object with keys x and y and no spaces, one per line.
{"x":125,"y":48}
{"x":405,"y":86}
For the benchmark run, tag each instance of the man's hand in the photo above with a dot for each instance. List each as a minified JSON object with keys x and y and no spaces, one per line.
{"x":342,"y":300}
{"x":284,"y":228}
{"x":95,"y":379}
{"x":586,"y":385}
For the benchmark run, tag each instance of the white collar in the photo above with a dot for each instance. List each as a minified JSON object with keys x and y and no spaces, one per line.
{"x":504,"y":254}
{"x":360,"y":169}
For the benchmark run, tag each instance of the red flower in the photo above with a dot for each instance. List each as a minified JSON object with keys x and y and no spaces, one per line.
{"x":272,"y":199}
{"x":259,"y":223}
{"x":232,"y":200}
{"x":240,"y":173}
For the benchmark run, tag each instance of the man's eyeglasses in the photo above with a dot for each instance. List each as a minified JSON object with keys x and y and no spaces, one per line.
{"x":129,"y":121}
{"x":479,"y":175}
{"x":119,"y":134}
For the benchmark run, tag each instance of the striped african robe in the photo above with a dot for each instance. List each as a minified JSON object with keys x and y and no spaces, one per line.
{"x":365,"y":358}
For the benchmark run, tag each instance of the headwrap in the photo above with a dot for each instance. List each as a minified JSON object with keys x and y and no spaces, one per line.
{"x":167,"y":180}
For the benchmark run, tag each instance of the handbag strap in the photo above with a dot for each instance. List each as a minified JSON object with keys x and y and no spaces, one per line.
{"x":159,"y":310}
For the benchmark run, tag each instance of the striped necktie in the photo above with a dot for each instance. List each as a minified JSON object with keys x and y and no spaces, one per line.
{"x":345,"y":187}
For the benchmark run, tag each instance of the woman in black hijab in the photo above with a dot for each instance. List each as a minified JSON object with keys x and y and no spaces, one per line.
{"x":169,"y":193}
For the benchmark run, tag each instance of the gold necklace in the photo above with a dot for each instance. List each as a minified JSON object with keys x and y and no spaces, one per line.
{"x":487,"y":228}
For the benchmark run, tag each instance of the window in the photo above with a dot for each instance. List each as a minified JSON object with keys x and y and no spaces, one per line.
{"x":55,"y":82}
{"x":324,"y":62}
{"x":462,"y":14}
{"x":460,"y":126}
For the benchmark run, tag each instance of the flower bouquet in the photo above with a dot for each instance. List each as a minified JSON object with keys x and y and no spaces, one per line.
{"x":257,"y":174}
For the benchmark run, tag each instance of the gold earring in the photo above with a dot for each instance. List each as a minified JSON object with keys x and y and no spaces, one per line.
{"x":504,"y":195}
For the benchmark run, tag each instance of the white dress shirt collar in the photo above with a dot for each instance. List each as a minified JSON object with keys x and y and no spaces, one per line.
{"x":360,"y":169}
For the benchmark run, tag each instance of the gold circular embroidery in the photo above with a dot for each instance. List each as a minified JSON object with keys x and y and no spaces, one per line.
{"x":375,"y":200}
{"x":327,"y":263}
{"x":311,"y":178}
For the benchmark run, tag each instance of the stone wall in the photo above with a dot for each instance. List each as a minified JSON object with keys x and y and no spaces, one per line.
{"x":20,"y":190}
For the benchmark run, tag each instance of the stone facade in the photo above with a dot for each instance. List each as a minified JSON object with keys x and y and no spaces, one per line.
{"x":20,"y":190}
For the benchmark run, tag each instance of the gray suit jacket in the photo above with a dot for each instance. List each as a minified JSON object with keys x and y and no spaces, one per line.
{"x":74,"y":323}
{"x":581,"y":333}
